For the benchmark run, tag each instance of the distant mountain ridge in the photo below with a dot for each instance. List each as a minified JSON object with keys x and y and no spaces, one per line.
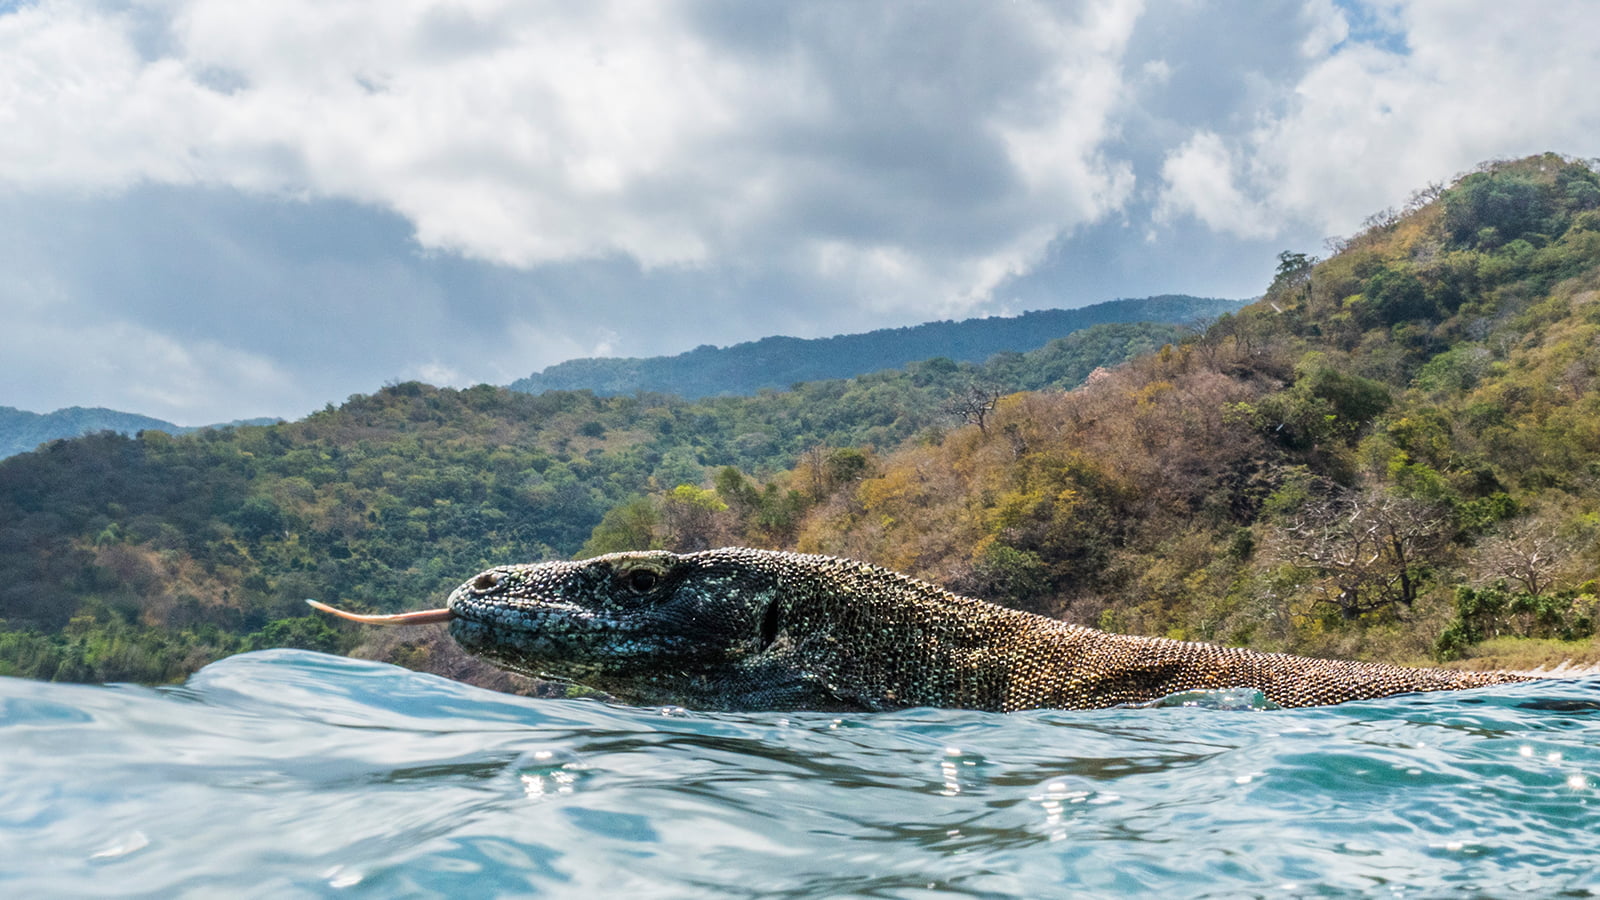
{"x":21,"y":431}
{"x":778,"y":362}
{"x":742,"y":369}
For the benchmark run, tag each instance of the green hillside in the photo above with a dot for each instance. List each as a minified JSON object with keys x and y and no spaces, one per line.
{"x":143,"y":558}
{"x":1392,"y":455}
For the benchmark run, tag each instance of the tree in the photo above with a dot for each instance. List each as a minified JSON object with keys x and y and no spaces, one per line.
{"x":1324,"y":406}
{"x":1292,"y":281}
{"x":258,"y":518}
{"x":690,"y":515}
{"x":1488,"y":209}
{"x":738,"y":493}
{"x":631,"y":526}
{"x":1005,"y":574}
{"x":1396,"y":295}
{"x":826,"y":469}
{"x":974,"y":405}
{"x":1527,"y":554}
{"x":1371,"y":548}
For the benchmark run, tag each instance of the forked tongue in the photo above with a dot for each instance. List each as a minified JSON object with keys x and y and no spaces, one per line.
{"x":421,"y":617}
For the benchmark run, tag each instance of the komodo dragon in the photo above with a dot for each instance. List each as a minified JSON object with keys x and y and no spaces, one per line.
{"x":741,"y":629}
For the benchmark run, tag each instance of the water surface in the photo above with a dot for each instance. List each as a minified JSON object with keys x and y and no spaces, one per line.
{"x":293,"y":774}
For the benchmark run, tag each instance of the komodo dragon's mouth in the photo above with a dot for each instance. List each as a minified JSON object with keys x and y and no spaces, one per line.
{"x":420,"y":617}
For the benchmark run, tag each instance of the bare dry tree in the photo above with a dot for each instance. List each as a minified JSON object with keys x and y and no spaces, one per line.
{"x":1369,"y":545}
{"x":1526,"y":553}
{"x":975,"y":404}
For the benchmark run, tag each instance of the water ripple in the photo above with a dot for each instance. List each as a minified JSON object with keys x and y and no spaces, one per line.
{"x":290,"y":774}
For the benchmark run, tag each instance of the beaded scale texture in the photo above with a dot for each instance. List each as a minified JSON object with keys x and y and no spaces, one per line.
{"x":743,"y":629}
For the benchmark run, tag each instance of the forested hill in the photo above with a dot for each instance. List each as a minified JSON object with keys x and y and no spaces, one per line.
{"x":778,"y":362}
{"x":21,"y":431}
{"x":141,"y":558}
{"x":1392,"y":456}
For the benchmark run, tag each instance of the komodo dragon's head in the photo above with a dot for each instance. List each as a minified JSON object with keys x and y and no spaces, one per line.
{"x":706,"y":630}
{"x":657,"y":627}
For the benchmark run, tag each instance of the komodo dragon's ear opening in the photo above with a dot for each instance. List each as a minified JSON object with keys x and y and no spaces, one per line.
{"x":769,"y":625}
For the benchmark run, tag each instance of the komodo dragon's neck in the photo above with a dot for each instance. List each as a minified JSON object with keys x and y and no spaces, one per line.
{"x":754,"y":629}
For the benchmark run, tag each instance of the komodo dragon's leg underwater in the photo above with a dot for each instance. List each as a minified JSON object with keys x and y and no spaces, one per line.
{"x":740,"y":629}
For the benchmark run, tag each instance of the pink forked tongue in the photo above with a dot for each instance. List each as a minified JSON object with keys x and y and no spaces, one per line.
{"x":421,"y":617}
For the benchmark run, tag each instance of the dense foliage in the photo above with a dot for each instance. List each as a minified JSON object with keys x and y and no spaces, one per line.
{"x":779,"y":362}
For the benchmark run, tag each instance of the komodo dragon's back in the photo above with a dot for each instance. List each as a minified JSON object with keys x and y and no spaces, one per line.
{"x":742,"y":629}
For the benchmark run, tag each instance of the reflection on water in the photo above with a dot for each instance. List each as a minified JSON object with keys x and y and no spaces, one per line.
{"x":296,"y":774}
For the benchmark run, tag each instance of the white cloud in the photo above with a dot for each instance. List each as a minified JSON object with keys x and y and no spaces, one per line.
{"x":1329,"y":28}
{"x":1156,"y":71}
{"x":66,"y":359}
{"x":1481,"y":81}
{"x":436,"y":372}
{"x":239,"y":208}
{"x":1200,"y":180}
{"x":527,"y":134}
{"x":1438,"y":87}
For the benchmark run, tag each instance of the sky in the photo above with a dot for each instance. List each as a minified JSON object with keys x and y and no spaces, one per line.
{"x":219,"y":209}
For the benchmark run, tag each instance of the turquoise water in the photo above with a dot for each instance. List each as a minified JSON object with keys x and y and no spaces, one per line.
{"x":291,"y":774}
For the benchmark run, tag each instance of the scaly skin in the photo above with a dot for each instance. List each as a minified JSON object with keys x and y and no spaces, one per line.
{"x":740,"y":629}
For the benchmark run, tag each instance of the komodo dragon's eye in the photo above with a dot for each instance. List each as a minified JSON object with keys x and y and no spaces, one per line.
{"x":641,"y":581}
{"x":488,"y":581}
